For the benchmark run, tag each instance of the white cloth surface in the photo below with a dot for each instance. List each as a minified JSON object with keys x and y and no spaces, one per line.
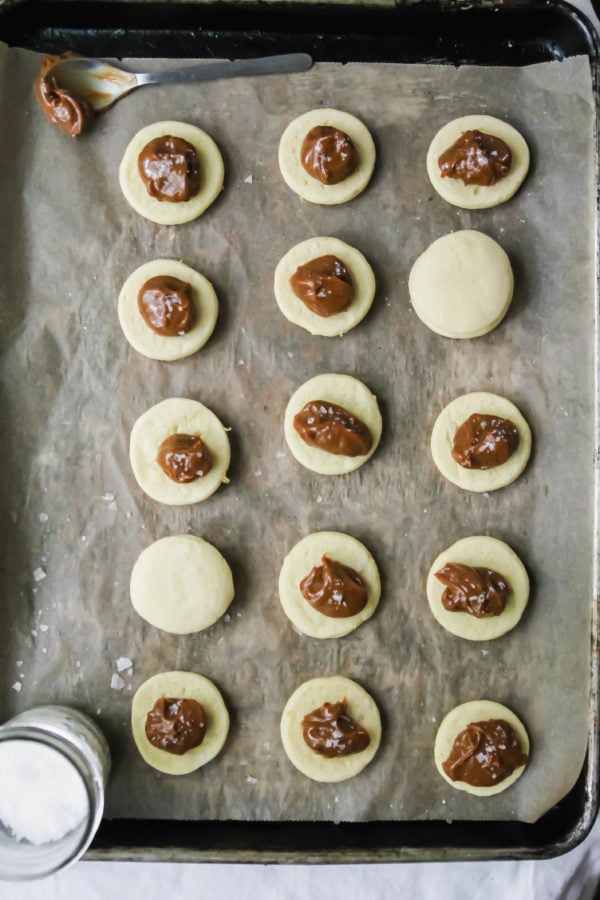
{"x":573,"y":876}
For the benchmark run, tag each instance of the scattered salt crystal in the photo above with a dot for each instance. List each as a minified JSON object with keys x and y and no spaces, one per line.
{"x":78,"y":664}
{"x":43,"y":517}
{"x":34,"y":632}
{"x":290,"y":354}
{"x":258,"y":473}
{"x":424,"y":509}
{"x":485,"y":494}
{"x":44,"y":649}
{"x":248,"y":179}
{"x":484,"y":652}
{"x":227,"y":617}
{"x":99,"y":710}
{"x":443,"y":802}
{"x":122,"y":663}
{"x":280,"y":454}
{"x":267,"y":745}
{"x":243,"y":762}
{"x":251,"y":780}
{"x":19,"y":663}
{"x":241,"y":362}
{"x":128,"y":515}
{"x":43,"y":628}
{"x":17,"y":686}
{"x":117,"y":683}
{"x":83,"y":539}
{"x":319,"y":499}
{"x":239,"y":615}
{"x":39,"y":574}
{"x":108,"y":496}
{"x":130,"y":672}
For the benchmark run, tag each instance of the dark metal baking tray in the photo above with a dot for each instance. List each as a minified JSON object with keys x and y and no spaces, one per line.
{"x":518,"y":32}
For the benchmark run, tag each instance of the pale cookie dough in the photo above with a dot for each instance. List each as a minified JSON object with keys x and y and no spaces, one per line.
{"x":303,"y":558}
{"x":297,"y":312}
{"x":313,"y":694}
{"x":457,"y":720}
{"x":462,"y":285}
{"x":173,"y":416}
{"x":488,"y":553}
{"x":310,"y":188}
{"x":181,"y":584}
{"x":474,"y":196}
{"x":347,"y":392}
{"x":162,"y":211}
{"x":157,"y":346}
{"x":442,"y":438}
{"x":180,"y":685}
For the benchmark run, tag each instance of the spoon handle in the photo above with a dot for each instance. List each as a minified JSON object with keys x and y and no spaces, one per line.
{"x":266,"y":65}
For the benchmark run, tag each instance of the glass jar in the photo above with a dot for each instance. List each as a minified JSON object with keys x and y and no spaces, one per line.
{"x":51,"y":743}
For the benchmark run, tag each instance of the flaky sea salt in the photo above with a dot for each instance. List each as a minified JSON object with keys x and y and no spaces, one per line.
{"x":43,"y":517}
{"x":17,"y":686}
{"x":122,"y":663}
{"x":117,"y":683}
{"x":248,"y":179}
{"x":42,"y":796}
{"x":39,"y":574}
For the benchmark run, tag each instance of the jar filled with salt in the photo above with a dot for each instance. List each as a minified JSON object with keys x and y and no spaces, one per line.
{"x":54,"y":764}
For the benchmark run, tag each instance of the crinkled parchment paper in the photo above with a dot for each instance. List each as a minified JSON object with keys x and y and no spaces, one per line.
{"x":74,"y":521}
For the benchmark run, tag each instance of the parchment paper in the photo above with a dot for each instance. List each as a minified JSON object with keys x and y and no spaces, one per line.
{"x":74,"y":521}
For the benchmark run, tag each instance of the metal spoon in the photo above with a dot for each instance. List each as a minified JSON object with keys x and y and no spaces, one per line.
{"x":102,"y":84}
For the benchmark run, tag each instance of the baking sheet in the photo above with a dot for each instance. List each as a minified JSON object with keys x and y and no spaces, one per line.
{"x":74,"y":520}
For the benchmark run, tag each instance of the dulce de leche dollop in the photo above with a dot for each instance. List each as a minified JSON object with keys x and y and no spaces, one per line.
{"x":324,"y":285}
{"x":476,"y":158}
{"x":330,"y":731}
{"x":184,"y":457}
{"x":166,"y":306}
{"x":170,"y":169}
{"x":332,"y":428}
{"x":335,"y":590}
{"x":176,"y":724}
{"x":484,"y":754}
{"x":478,"y":591}
{"x":328,"y":154}
{"x":61,"y":107}
{"x":484,"y":441}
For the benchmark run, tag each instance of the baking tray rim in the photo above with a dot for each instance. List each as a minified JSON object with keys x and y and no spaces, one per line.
{"x":102,"y":849}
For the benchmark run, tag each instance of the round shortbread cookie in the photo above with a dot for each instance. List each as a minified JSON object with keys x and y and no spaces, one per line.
{"x":297,"y":312}
{"x":157,"y":346}
{"x":180,"y":685}
{"x":489,"y":553}
{"x":162,"y":211}
{"x":462,"y":285}
{"x":474,"y":196}
{"x":347,"y":392}
{"x":311,"y":695}
{"x":442,"y":439}
{"x":302,"y":558}
{"x":181,"y":584}
{"x":310,"y":188}
{"x":457,"y":720}
{"x":177,"y":415}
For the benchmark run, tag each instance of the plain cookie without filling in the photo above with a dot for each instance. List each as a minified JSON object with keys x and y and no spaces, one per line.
{"x":181,"y":584}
